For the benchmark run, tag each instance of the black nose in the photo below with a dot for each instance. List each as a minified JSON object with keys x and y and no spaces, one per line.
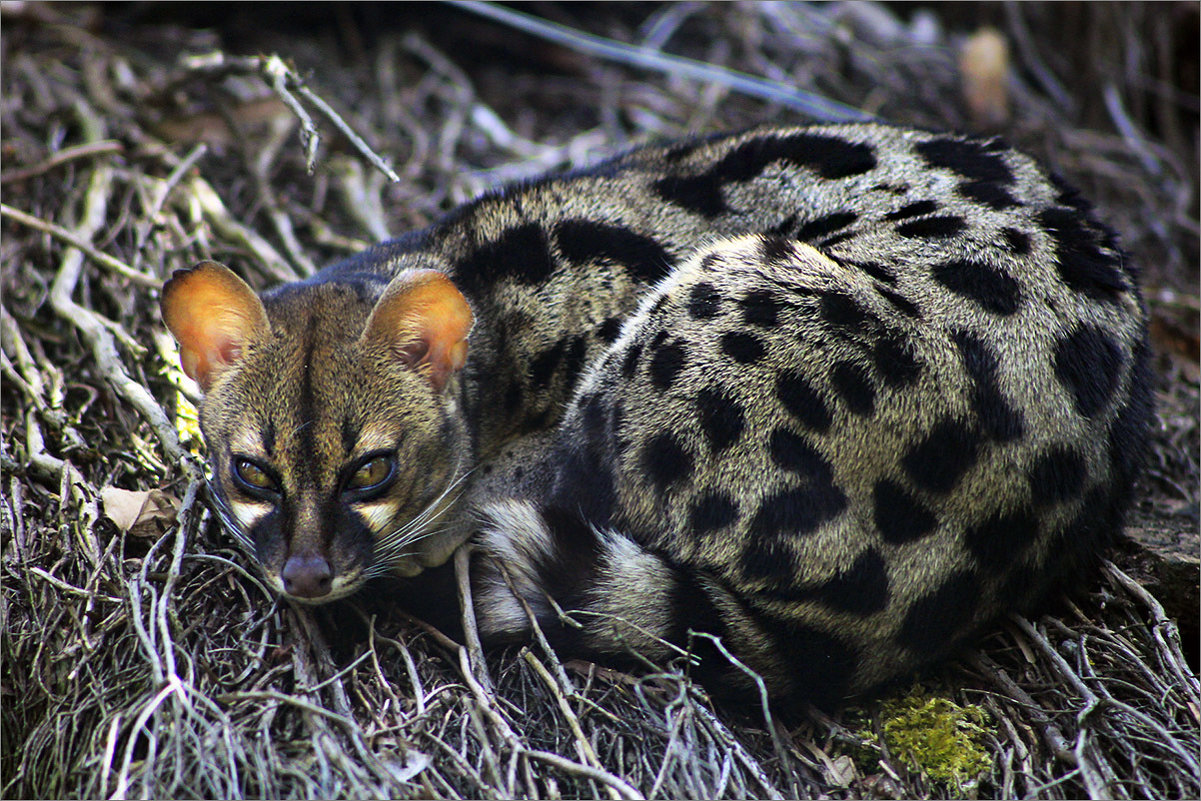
{"x":307,"y":576}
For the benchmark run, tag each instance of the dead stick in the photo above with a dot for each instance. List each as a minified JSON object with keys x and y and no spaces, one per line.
{"x":103,"y":259}
{"x":62,"y":157}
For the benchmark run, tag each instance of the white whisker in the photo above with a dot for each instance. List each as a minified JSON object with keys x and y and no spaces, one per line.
{"x":393,"y":546}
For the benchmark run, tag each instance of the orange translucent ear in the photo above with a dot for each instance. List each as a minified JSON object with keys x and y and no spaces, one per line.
{"x":424,"y":320}
{"x":213,"y":315}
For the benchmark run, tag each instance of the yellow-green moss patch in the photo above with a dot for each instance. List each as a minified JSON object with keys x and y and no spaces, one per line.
{"x":939,"y":737}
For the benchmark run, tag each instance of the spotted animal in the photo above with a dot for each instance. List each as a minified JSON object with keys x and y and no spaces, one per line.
{"x":835,"y":396}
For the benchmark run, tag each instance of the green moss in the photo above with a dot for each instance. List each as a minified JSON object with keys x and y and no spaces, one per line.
{"x":940,"y":738}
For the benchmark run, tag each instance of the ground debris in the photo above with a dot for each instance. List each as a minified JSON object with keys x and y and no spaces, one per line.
{"x":161,"y":666}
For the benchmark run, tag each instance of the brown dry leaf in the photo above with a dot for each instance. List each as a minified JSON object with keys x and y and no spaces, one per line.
{"x":1178,"y":339}
{"x":139,"y":513}
{"x":840,"y":771}
{"x":212,"y":128}
{"x":984,"y":65}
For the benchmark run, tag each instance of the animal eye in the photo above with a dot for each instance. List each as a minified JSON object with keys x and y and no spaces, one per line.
{"x":372,"y":474}
{"x":252,"y":477}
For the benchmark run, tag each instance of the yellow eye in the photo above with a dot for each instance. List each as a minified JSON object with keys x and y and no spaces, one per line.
{"x":253,"y":477}
{"x":373,"y":474}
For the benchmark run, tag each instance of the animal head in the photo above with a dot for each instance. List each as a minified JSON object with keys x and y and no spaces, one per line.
{"x":330,"y":412}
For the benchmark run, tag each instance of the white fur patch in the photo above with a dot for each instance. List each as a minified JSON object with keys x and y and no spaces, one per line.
{"x":513,"y":534}
{"x":631,"y":588}
{"x":378,"y":515}
{"x":249,"y":512}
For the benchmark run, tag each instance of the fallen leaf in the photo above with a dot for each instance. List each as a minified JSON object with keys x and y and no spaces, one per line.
{"x":139,"y":513}
{"x":984,"y":69}
{"x":213,"y":128}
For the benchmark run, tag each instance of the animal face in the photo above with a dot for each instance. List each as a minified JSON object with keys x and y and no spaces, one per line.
{"x":331,"y":418}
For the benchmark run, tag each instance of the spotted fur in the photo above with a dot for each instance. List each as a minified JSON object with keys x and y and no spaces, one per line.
{"x":837,"y":395}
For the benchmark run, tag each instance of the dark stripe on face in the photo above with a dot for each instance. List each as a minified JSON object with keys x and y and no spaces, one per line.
{"x":350,"y":435}
{"x":269,"y":438}
{"x":305,"y":408}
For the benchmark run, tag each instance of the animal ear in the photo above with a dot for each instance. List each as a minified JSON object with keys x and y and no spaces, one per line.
{"x":423,"y":319}
{"x":213,"y":315}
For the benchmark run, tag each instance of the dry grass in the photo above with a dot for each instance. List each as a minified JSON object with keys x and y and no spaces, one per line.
{"x":150,"y":663}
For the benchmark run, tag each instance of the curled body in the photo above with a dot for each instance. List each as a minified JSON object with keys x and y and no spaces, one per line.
{"x":838,"y":395}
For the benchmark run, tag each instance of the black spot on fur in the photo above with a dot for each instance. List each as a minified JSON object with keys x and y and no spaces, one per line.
{"x":535,"y":420}
{"x":1082,"y":264}
{"x":704,"y":301}
{"x":841,"y":311}
{"x":582,"y":241}
{"x":768,"y":558}
{"x":854,"y":386}
{"x":940,"y":460}
{"x":831,"y":241}
{"x":932,"y":227}
{"x":269,"y":437}
{"x":999,"y":420}
{"x":1076,"y":546}
{"x":899,"y":516}
{"x":1128,"y":436}
{"x":877,"y":271}
{"x":665,"y":461}
{"x":543,"y":365}
{"x":830,"y":156}
{"x":713,"y":511}
{"x":799,"y":510}
{"x":1001,"y":538}
{"x":692,"y":608}
{"x":721,"y":418}
{"x":761,"y":308}
{"x":900,"y":190}
{"x":630,"y":363}
{"x":915,"y":209}
{"x":861,"y":589}
{"x":774,"y":250}
{"x":782,"y":229}
{"x":1069,"y":195}
{"x":797,"y":395}
{"x":937,"y":620}
{"x":1089,"y":364}
{"x":900,"y":303}
{"x":988,"y":194}
{"x":609,"y":330}
{"x":820,"y":665}
{"x":989,"y":287}
{"x":976,"y":161}
{"x":680,"y":152}
{"x":666,"y":365}
{"x":570,"y":567}
{"x":594,"y":415}
{"x":791,"y":452}
{"x":573,"y":362}
{"x":1019,"y":243}
{"x":1056,"y":475}
{"x":584,"y":479}
{"x":700,"y":193}
{"x":824,"y":226}
{"x":520,"y":254}
{"x":895,"y":360}
{"x":742,"y":347}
